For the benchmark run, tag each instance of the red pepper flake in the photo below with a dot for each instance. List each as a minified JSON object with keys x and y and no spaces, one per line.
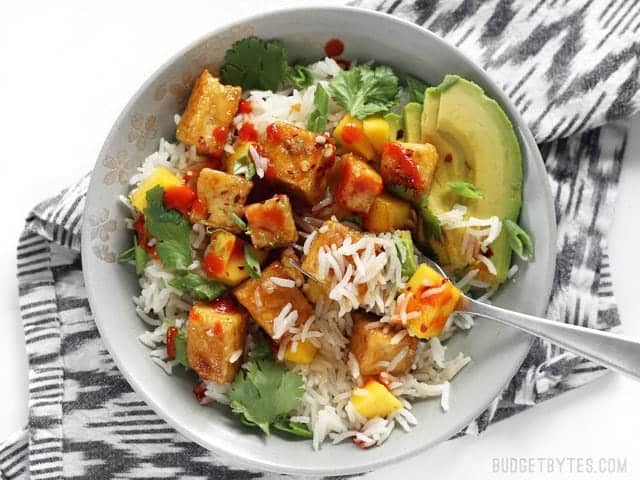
{"x":351,"y":133}
{"x":448,"y":158}
{"x":273,"y":133}
{"x":245,"y":106}
{"x":199,"y":392}
{"x":172,"y":333}
{"x":217,"y":329}
{"x":247,"y":132}
{"x":423,"y":328}
{"x":334,"y":47}
{"x":489,"y":252}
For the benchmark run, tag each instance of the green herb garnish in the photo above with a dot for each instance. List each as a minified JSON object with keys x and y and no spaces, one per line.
{"x":242,"y":225}
{"x":253,"y":265}
{"x":300,"y":77}
{"x":365,"y":90}
{"x":415,"y":89}
{"x":135,"y":254}
{"x":318,"y":119}
{"x":252,"y":63}
{"x":263,"y":392}
{"x":420,"y":200}
{"x":181,"y":348}
{"x":198,"y":287}
{"x":294,"y":428}
{"x":519,"y":240}
{"x":171,"y":231}
{"x":244,"y":166}
{"x":465,"y":189}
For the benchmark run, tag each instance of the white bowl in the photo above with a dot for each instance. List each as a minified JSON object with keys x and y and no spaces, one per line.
{"x":496,"y":351}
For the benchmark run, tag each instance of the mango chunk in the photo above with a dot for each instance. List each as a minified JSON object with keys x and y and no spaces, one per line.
{"x":434,"y":297}
{"x":378,"y":131}
{"x":224,"y":258}
{"x":349,"y":134}
{"x":376,"y":402}
{"x":387,"y":213}
{"x":160,"y":176}
{"x":305,"y":352}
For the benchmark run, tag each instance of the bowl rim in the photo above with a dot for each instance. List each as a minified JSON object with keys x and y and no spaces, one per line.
{"x":548,"y":267}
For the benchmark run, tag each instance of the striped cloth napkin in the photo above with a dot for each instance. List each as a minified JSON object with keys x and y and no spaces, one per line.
{"x":571,"y":69}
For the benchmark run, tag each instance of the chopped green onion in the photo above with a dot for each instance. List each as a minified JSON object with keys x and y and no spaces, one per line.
{"x":252,"y":262}
{"x":244,"y":166}
{"x":465,"y":189}
{"x":242,"y":225}
{"x":318,"y":119}
{"x":519,"y":240}
{"x":181,"y":348}
{"x":300,"y":77}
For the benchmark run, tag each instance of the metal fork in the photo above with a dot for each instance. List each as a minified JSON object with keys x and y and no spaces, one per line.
{"x":617,"y":352}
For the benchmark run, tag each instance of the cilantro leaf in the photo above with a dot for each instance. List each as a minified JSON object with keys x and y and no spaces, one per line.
{"x":420,"y":200}
{"x":365,"y":90}
{"x":135,"y":254}
{"x":519,"y":240}
{"x":294,"y":428}
{"x":318,"y":119}
{"x":252,"y":262}
{"x":300,"y":76}
{"x":171,"y":231}
{"x":264,"y":391}
{"x":416,"y":89}
{"x":465,"y":189}
{"x":260,"y":351}
{"x":252,"y":63}
{"x":197,"y":286}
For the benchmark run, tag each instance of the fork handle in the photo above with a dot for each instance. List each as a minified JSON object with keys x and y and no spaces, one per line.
{"x":617,"y":352}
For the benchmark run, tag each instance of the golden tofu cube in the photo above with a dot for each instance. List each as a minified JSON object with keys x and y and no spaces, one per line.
{"x":298,"y":161}
{"x":211,"y":108}
{"x":358,"y":184}
{"x":410,"y":165}
{"x":215,"y":333}
{"x":222,"y":194}
{"x":387,"y":214}
{"x":373,"y":345}
{"x":350,"y":135}
{"x":304,"y":352}
{"x":271,"y":222}
{"x":224,"y":258}
{"x":265,"y":299}
{"x":434,"y":297}
{"x":161,"y":176}
{"x":374,"y":400}
{"x":334,"y":234}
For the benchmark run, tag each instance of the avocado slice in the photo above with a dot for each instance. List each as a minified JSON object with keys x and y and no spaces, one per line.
{"x":395,"y":125}
{"x":412,"y":119}
{"x":476,"y":143}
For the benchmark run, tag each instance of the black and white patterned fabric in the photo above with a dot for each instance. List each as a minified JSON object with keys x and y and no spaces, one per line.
{"x":571,"y":67}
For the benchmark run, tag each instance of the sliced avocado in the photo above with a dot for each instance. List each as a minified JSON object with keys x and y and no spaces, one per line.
{"x":412,"y":117}
{"x":476,"y":143}
{"x":404,"y":243}
{"x":395,"y":125}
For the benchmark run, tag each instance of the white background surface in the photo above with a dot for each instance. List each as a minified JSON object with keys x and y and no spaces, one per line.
{"x":67,"y":69}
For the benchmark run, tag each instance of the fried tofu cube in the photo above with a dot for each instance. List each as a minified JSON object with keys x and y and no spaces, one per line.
{"x":161,"y":176}
{"x":434,"y":297}
{"x":335,"y":233}
{"x":216,"y":332}
{"x":375,"y":400}
{"x":410,"y":165}
{"x":271,"y":222}
{"x":224,"y":258}
{"x":371,"y":346}
{"x":300,"y":352}
{"x":387,"y":214}
{"x":222,"y":194}
{"x":298,"y":161}
{"x":211,"y":108}
{"x":265,"y":299}
{"x":358,"y":184}
{"x":350,"y":135}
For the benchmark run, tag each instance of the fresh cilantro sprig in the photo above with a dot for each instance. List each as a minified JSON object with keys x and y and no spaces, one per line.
{"x":415,"y":89}
{"x":318,"y":119}
{"x":252,"y":63}
{"x":465,"y":189}
{"x":135,"y":254}
{"x":420,"y":201}
{"x":520,"y":241}
{"x":365,"y":90}
{"x":263,"y":392}
{"x":171,"y":231}
{"x":198,"y":287}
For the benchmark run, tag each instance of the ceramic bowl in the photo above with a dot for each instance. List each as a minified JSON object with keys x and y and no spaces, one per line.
{"x":496,"y":351}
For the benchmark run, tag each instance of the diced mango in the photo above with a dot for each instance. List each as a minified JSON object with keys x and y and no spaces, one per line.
{"x":387,"y":214}
{"x":376,"y":402}
{"x":224,"y":258}
{"x":305,"y":352}
{"x":349,"y":133}
{"x":378,"y":131}
{"x":434,"y":297}
{"x":160,"y":176}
